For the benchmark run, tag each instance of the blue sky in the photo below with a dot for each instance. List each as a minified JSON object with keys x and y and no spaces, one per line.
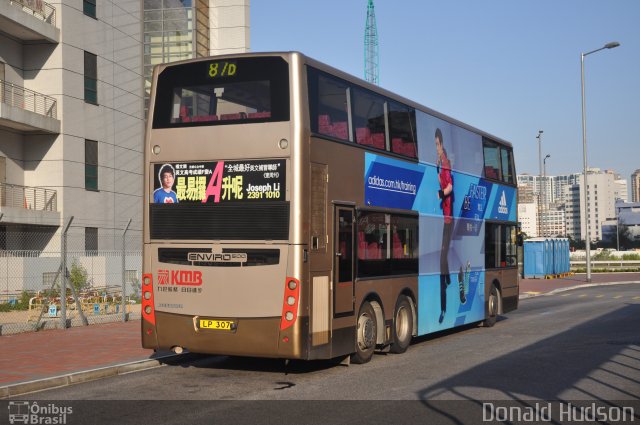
{"x":508,"y":67}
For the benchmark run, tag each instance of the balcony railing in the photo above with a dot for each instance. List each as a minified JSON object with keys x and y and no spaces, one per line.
{"x":22,"y":98}
{"x":38,"y":8}
{"x":31,"y":198}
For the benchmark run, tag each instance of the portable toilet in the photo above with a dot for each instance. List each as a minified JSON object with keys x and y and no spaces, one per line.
{"x":566,"y":264}
{"x":548,"y":256}
{"x":534,"y":258}
{"x":557,"y":256}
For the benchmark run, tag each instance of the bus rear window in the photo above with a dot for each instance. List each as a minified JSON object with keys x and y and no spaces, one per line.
{"x":222,"y":91}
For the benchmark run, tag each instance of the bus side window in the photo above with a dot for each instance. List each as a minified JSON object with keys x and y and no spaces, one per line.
{"x":402,"y":129}
{"x":491,"y":160}
{"x":506,"y":156}
{"x":328,"y":106}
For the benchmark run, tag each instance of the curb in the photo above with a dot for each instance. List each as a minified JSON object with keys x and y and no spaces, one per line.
{"x":13,"y":390}
{"x":569,"y":288}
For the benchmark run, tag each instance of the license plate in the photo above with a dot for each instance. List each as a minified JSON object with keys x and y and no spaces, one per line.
{"x":222,"y":325}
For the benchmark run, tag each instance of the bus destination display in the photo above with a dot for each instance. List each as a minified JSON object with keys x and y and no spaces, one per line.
{"x":222,"y":69}
{"x":220,"y":182}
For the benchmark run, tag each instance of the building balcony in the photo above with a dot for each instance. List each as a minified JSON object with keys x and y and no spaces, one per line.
{"x":29,"y":20}
{"x":28,"y":205}
{"x":27,"y":111}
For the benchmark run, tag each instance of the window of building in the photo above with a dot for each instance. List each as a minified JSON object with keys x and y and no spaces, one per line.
{"x":387,"y":244}
{"x":48,"y":279}
{"x":89,"y":8}
{"x":3,"y":238}
{"x":90,"y":78}
{"x":91,"y":241}
{"x":500,"y":245}
{"x":131,"y":277}
{"x":91,"y":165}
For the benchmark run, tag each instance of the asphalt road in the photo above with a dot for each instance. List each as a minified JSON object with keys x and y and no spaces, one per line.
{"x":582,"y":344}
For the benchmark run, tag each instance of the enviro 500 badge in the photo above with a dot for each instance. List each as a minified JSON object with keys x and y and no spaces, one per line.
{"x":220,"y":182}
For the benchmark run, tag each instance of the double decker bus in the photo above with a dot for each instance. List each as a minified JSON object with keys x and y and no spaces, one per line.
{"x":294,"y":211}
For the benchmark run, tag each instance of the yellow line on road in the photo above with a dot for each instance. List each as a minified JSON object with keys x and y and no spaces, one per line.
{"x":617,"y":296}
{"x":599,"y":296}
{"x":581,"y":296}
{"x":565,"y":295}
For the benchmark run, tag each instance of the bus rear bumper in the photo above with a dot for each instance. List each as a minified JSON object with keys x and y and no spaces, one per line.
{"x":259,"y":337}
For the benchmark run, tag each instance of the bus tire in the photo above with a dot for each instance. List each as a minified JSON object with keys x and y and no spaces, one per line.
{"x":402,"y":329}
{"x":493,"y":307}
{"x":366,"y":333}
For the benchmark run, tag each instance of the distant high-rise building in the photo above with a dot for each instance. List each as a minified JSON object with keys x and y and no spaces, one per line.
{"x":635,"y":186}
{"x":563,"y":200}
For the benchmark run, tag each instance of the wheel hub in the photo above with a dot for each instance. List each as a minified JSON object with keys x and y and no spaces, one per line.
{"x":367,"y":333}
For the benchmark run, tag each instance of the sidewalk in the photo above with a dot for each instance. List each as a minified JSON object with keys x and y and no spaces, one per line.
{"x":38,"y":360}
{"x":533,"y":287}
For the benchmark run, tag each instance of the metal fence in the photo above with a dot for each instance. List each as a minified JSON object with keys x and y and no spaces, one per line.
{"x":38,"y":8}
{"x":74,"y":278}
{"x":31,"y":198}
{"x":29,"y":100}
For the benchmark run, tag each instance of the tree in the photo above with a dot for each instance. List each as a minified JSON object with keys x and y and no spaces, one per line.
{"x":78,"y":276}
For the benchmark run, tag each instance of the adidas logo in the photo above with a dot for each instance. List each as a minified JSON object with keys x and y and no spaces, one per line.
{"x":502,"y":208}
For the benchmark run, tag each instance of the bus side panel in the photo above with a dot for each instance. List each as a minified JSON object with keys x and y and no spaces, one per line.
{"x":386,"y":291}
{"x":509,"y":287}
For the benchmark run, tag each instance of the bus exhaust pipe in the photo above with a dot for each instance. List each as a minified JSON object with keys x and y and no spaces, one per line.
{"x":177,"y":349}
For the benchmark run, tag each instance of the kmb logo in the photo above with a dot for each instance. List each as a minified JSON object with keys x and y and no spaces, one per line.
{"x":179,"y":277}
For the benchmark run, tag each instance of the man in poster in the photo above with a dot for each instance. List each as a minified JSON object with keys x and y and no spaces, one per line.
{"x":164,"y":194}
{"x":445,"y":194}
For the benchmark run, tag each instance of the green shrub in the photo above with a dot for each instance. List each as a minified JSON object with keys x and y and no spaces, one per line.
{"x":631,"y":257}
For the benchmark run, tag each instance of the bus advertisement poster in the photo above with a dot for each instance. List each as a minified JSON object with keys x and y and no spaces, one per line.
{"x":220,"y":182}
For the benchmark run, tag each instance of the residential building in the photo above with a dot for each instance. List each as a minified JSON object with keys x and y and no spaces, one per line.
{"x":71,"y":119}
{"x":554,"y":223}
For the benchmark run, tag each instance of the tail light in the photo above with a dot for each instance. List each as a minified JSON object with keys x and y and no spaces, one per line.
{"x":290,"y":303}
{"x":148,"y":309}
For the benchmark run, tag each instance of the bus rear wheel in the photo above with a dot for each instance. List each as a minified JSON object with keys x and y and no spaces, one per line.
{"x":366,"y":333}
{"x":493,"y":307}
{"x":402,"y":325}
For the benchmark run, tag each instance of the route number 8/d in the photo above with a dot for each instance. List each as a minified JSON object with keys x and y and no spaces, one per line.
{"x":228,"y":69}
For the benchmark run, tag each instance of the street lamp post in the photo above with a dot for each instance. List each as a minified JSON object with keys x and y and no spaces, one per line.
{"x":584,"y":154}
{"x":539,"y":137}
{"x":544,"y":198}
